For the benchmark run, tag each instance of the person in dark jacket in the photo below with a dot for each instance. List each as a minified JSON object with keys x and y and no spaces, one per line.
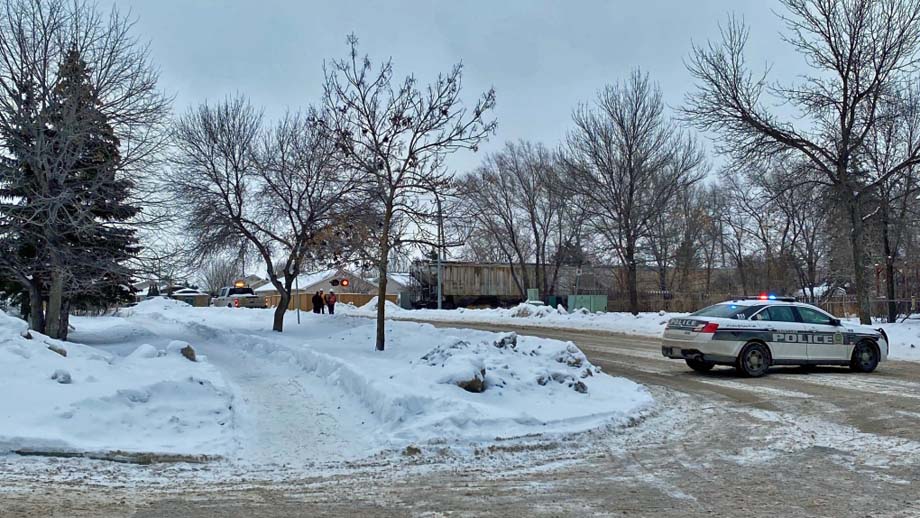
{"x":322,"y":302}
{"x":331,"y":299}
{"x":317,"y":302}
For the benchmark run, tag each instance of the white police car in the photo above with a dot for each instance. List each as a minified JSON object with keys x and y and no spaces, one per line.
{"x":753,"y":334}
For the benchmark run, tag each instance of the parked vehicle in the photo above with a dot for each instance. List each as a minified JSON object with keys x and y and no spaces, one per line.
{"x":754,"y":334}
{"x":239,"y":296}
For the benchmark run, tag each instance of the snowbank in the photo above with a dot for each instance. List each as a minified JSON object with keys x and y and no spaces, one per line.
{"x":410,"y":393}
{"x":904,"y":339}
{"x":536,"y":385}
{"x":91,"y":401}
{"x":643,"y":324}
{"x":371,"y":306}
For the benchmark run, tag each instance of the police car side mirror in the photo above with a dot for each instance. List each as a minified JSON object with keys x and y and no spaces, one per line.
{"x":835,"y":321}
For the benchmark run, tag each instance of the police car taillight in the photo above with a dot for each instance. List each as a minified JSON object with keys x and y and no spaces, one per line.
{"x":708,"y":327}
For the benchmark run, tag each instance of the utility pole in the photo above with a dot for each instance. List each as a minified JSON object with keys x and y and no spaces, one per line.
{"x":437,"y":200}
{"x":297,"y":289}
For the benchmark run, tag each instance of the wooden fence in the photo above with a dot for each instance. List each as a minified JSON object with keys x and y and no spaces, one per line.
{"x":305,"y":302}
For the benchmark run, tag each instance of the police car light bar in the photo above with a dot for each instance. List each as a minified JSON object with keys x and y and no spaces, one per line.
{"x":764,"y":296}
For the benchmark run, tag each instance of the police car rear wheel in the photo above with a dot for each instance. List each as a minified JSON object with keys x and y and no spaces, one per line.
{"x":700,"y":365}
{"x":865,"y":357}
{"x":754,"y":360}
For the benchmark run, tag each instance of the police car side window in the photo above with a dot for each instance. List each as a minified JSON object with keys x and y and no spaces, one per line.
{"x":810,"y":316}
{"x":780,"y":314}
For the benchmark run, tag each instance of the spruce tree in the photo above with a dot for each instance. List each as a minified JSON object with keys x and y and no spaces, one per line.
{"x":90,"y":234}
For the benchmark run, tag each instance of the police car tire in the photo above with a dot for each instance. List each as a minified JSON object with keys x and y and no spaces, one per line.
{"x":858,"y":363}
{"x":700,"y":365}
{"x":229,"y":305}
{"x":743,"y":364}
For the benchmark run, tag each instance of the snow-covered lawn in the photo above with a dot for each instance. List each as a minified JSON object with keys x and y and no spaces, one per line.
{"x":316,"y":392}
{"x":904,"y":337}
{"x":152,"y":400}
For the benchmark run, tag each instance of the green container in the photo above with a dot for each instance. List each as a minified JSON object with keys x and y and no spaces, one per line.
{"x":592,"y":303}
{"x":533,"y":294}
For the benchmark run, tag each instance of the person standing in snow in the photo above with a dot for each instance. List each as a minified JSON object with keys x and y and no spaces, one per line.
{"x":331,"y":299}
{"x":317,"y":302}
{"x":322,"y":302}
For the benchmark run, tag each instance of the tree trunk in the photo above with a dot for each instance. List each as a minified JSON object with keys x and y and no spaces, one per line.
{"x":36,"y":309}
{"x":382,"y":296}
{"x":55,"y":299}
{"x":64,"y":320}
{"x":278,"y":320}
{"x":382,"y":267}
{"x":24,"y":306}
{"x":859,"y":257}
{"x":890,"y":290}
{"x":889,"y":259}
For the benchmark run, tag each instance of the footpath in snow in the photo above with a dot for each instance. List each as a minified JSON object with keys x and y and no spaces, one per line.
{"x":317,"y":392}
{"x":904,"y":336}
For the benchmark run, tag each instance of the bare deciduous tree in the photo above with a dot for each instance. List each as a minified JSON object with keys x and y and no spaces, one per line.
{"x":52,"y":143}
{"x":276,"y":191}
{"x":627,"y":163}
{"x":397,"y":134}
{"x":220,"y":272}
{"x":516,"y":199}
{"x":858,"y":50}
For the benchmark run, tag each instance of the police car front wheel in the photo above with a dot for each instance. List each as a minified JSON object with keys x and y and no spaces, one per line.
{"x":865,"y":357}
{"x":754,"y":360}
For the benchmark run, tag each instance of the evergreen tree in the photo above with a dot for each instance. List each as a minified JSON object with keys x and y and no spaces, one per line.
{"x":88,"y":237}
{"x":22,"y":254}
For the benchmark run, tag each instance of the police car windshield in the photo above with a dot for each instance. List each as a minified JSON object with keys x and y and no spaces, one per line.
{"x":727,"y":311}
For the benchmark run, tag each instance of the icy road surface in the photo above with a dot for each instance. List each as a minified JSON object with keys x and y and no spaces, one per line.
{"x":795,"y":443}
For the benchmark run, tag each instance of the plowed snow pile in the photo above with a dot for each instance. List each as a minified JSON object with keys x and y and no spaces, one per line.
{"x":425,"y":385}
{"x":317,"y":391}
{"x":153,"y":400}
{"x":534,"y":315}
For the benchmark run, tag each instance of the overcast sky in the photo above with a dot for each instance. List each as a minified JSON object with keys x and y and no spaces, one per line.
{"x":542,"y":57}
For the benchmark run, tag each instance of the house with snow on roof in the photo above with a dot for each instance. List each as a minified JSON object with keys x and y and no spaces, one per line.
{"x":348,"y":286}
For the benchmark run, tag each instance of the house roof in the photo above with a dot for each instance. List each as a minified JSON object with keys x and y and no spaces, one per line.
{"x":401,"y":278}
{"x":304,"y":280}
{"x":188,"y":291}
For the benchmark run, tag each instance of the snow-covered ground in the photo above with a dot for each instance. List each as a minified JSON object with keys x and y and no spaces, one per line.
{"x":644,"y":324}
{"x":151,"y":400}
{"x":317,"y":392}
{"x":904,"y":339}
{"x":904,"y":336}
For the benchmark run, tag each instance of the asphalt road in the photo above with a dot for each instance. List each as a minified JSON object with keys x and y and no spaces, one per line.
{"x":819,"y":442}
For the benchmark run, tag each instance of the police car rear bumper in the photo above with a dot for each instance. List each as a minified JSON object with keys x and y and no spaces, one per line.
{"x":678,"y":353}
{"x":719,"y":351}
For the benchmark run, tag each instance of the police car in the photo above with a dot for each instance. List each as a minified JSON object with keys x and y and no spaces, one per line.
{"x":753,"y":334}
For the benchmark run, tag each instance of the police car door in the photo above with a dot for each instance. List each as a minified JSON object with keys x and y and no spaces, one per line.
{"x":783,"y":333}
{"x":826,"y":341}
